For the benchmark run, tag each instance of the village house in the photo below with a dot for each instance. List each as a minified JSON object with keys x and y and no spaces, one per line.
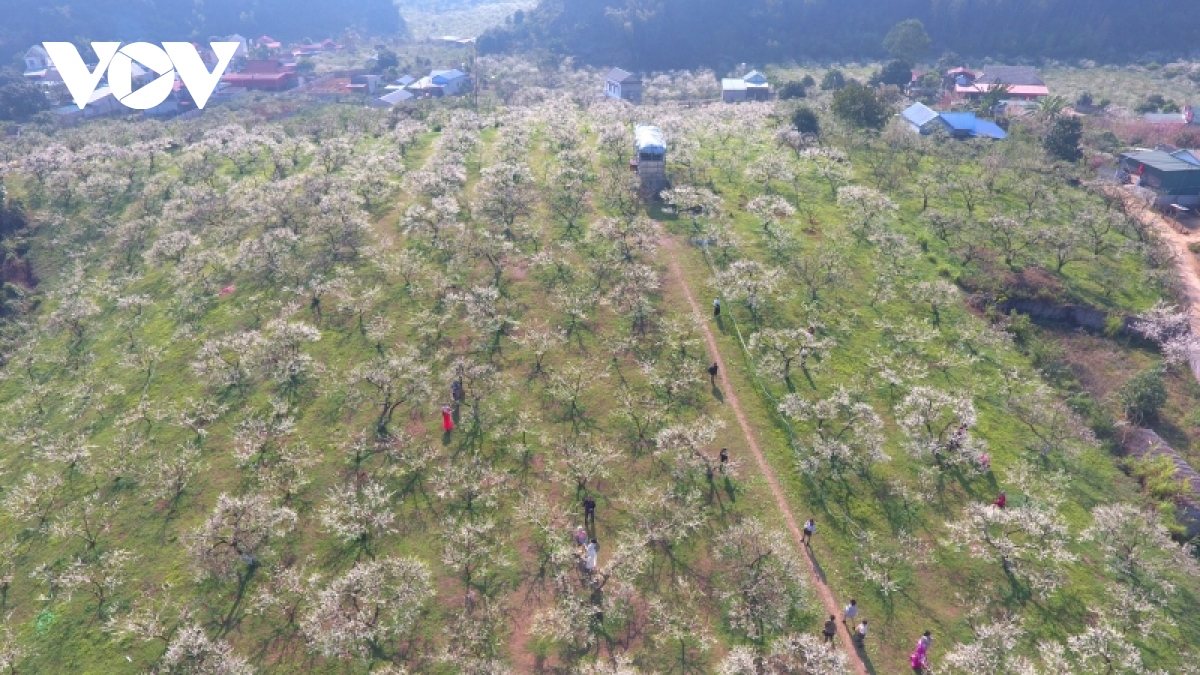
{"x":924,"y":120}
{"x":37,"y":61}
{"x":101,"y":103}
{"x":650,"y":158}
{"x":264,"y":75}
{"x":623,"y":85}
{"x":392,"y":99}
{"x":453,"y":82}
{"x":440,"y":83}
{"x":1173,"y":176}
{"x":270,"y":44}
{"x":752,"y":86}
{"x":1024,"y":83}
{"x":364,"y":84}
{"x":39,"y":67}
{"x":425,"y":88}
{"x":1185,"y":116}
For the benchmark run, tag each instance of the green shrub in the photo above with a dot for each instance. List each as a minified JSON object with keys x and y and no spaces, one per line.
{"x":792,"y":90}
{"x":1021,"y":328}
{"x":1143,"y":396}
{"x":1157,"y":475}
{"x":806,"y":122}
{"x":1114,"y":324}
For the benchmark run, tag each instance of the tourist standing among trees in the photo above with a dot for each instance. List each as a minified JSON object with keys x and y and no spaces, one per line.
{"x":589,"y":512}
{"x":593,"y":552}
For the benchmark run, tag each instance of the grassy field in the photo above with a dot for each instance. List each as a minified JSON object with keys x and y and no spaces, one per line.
{"x":220,"y":430}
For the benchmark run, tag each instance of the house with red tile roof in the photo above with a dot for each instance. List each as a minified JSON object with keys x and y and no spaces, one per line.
{"x":1024,"y":83}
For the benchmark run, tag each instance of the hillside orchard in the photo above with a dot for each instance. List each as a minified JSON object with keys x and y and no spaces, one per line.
{"x":221,"y":437}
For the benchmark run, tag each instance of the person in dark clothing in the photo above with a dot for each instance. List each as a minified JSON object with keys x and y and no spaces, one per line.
{"x":589,"y":511}
{"x":724,"y":458}
{"x":716,"y":308}
{"x":712,"y":373}
{"x":830,"y":629}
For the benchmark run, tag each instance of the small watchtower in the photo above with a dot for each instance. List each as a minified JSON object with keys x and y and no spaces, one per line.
{"x":650,"y":158}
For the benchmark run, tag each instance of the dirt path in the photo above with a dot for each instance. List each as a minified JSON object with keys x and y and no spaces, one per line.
{"x":1187,"y":265}
{"x":831,"y":606}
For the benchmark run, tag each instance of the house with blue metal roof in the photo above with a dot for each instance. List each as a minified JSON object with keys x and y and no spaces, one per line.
{"x":452,"y":82}
{"x":924,"y":120}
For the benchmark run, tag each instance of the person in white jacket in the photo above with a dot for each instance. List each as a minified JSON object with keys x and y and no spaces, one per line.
{"x":593,"y":551}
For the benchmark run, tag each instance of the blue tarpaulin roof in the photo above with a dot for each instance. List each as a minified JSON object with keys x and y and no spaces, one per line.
{"x":649,"y":139}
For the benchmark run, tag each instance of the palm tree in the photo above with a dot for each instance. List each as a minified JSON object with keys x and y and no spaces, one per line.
{"x":1050,"y":107}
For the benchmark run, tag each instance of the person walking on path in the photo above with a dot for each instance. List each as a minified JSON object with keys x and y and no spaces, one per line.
{"x":1002,"y":500}
{"x":850,"y":613}
{"x":447,"y":419}
{"x":580,"y":537}
{"x":589,"y":512}
{"x":860,"y":634}
{"x":724,"y":458}
{"x":712,"y":373}
{"x":593,"y":552}
{"x":830,"y":629}
{"x":810,"y":528}
{"x":716,"y":308}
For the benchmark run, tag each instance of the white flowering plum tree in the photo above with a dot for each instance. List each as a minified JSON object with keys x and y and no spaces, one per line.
{"x":366,"y":608}
{"x":236,"y":533}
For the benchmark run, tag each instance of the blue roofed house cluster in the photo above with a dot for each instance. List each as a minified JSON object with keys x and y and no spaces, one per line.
{"x":924,"y":120}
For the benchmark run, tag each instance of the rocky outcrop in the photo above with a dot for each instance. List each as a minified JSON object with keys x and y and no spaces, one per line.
{"x":1144,"y":443}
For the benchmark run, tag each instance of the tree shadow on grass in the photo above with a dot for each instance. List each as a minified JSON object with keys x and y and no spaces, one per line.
{"x":231,"y":619}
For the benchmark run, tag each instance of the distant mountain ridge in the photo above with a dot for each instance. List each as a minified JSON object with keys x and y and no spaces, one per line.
{"x":659,"y":34}
{"x":159,"y":20}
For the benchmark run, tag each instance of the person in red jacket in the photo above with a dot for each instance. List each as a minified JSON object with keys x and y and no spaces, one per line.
{"x":1002,"y":500}
{"x":447,"y":420}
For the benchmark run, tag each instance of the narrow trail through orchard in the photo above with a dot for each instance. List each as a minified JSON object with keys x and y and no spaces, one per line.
{"x":671,"y":247}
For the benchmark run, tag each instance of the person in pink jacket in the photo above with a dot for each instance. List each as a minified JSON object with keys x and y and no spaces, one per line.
{"x":920,"y":657}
